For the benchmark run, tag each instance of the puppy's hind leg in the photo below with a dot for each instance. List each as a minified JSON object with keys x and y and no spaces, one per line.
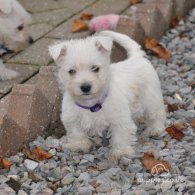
{"x":155,"y":115}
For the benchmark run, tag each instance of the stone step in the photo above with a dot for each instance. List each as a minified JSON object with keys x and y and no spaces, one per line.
{"x":29,"y":112}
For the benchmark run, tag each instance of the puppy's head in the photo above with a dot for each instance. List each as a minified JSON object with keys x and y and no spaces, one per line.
{"x":14,"y":21}
{"x":83,"y":65}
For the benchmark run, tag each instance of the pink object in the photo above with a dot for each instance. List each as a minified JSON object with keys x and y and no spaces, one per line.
{"x":106,"y":22}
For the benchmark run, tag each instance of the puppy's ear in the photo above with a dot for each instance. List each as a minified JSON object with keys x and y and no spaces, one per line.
{"x":104,"y":44}
{"x":56,"y":51}
{"x":5,"y":6}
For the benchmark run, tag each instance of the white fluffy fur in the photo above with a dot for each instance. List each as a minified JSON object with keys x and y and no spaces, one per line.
{"x":12,"y":15}
{"x":134,"y":92}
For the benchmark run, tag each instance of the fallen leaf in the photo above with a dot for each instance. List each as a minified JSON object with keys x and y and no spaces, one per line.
{"x":184,"y":34}
{"x":175,"y":131}
{"x":29,"y":154}
{"x":166,"y":143}
{"x":86,"y":16}
{"x":153,"y":45}
{"x":180,"y":126}
{"x":54,"y":186}
{"x":193,"y":123}
{"x":192,"y":84}
{"x":6,"y":164}
{"x":174,"y":22}
{"x":97,"y":185}
{"x":37,"y":154}
{"x":172,"y":107}
{"x":33,"y":176}
{"x":133,"y":2}
{"x":42,"y":154}
{"x":92,"y":168}
{"x":79,"y":25}
{"x":156,"y":166}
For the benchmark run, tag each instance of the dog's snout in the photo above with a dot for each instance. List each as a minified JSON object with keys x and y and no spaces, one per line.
{"x":85,"y":87}
{"x":30,"y":40}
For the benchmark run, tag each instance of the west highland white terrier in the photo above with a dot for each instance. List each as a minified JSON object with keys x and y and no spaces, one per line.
{"x":14,"y":32}
{"x":98,"y":95}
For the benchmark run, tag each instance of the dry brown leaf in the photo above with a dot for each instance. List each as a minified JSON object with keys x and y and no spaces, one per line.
{"x":133,"y":2}
{"x":192,"y":84}
{"x":153,"y":45}
{"x":86,"y":16}
{"x":193,"y":123}
{"x":79,"y":25}
{"x":166,"y":143}
{"x":172,"y":107}
{"x":156,"y":166}
{"x":29,"y":154}
{"x":174,"y":22}
{"x":38,"y":154}
{"x":92,"y":168}
{"x":6,"y":164}
{"x":175,"y":131}
{"x":184,"y":34}
{"x":42,"y":154}
{"x":180,"y":126}
{"x":54,"y":186}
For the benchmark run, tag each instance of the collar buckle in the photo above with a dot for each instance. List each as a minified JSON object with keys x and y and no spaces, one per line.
{"x":96,"y":107}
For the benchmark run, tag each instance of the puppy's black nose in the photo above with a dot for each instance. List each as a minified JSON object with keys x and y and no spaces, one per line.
{"x":30,"y":40}
{"x":85,"y":87}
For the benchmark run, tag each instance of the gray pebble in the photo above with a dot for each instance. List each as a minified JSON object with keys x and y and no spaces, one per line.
{"x":84,"y":177}
{"x":84,"y":191}
{"x":30,"y":165}
{"x":89,"y":157}
{"x":68,"y":179}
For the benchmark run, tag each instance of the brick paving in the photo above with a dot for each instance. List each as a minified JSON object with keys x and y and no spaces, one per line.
{"x":52,"y":21}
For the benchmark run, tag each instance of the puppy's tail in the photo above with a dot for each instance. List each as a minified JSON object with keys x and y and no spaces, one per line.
{"x":132,"y":47}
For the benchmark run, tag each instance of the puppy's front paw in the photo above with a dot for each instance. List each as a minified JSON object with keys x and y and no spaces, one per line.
{"x":75,"y":145}
{"x":117,"y":153}
{"x":9,"y":74}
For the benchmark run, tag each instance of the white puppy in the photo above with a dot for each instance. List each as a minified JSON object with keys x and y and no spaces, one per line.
{"x":14,"y":32}
{"x":99,"y":95}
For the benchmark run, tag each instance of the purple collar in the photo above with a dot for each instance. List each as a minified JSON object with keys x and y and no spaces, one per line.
{"x":97,"y":106}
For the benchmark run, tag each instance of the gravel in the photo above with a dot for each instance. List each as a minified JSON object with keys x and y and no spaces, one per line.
{"x":69,"y":173}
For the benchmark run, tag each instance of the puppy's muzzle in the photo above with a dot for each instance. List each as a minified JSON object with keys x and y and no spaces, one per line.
{"x":30,"y":40}
{"x":85,"y":88}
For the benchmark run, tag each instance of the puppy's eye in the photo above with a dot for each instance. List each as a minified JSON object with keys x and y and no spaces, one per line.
{"x":20,"y":27}
{"x":95,"y":68}
{"x":72,"y":71}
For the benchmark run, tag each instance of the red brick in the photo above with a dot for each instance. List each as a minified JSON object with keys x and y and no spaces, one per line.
{"x":47,"y":83}
{"x":133,"y":29}
{"x":182,"y":7}
{"x":12,"y":136}
{"x":30,"y":114}
{"x":151,"y":20}
{"x":31,"y":110}
{"x":47,"y":78}
{"x":166,"y":8}
{"x":3,"y":107}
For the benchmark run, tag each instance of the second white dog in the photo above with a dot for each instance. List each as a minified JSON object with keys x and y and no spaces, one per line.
{"x":99,"y":95}
{"x":14,"y":32}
